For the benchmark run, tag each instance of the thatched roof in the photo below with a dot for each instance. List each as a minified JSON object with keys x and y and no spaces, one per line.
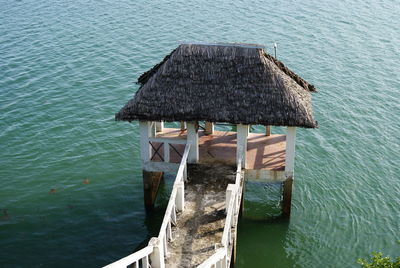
{"x":221,"y":83}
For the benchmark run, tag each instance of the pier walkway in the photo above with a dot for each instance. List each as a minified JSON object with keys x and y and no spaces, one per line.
{"x":199,"y":228}
{"x":200,"y":222}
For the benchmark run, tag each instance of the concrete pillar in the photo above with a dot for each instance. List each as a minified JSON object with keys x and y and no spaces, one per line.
{"x":145,"y":147}
{"x":209,"y":128}
{"x":290,"y":151}
{"x":242,"y":132}
{"x":193,"y":139}
{"x":289,"y":171}
{"x":267,"y":130}
{"x":159,"y":126}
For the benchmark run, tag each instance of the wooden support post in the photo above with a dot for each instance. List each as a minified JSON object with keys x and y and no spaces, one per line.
{"x":159,"y":126}
{"x":157,"y":256}
{"x":267,"y":130}
{"x":287,"y":197}
{"x":242,"y":132}
{"x":209,"y":128}
{"x":234,"y":248}
{"x":289,"y":171}
{"x":241,"y":208}
{"x":183,"y":125}
{"x":193,"y":139}
{"x":151,"y":182}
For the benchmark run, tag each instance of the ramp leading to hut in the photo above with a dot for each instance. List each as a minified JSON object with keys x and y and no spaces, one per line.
{"x":199,"y":227}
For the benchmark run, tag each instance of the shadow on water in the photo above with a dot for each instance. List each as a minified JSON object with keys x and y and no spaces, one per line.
{"x":262,"y":232}
{"x":154,"y":217}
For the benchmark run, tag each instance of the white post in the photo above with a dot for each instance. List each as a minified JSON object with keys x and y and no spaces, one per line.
{"x":193,"y":139}
{"x":159,"y":126}
{"x":224,"y":262}
{"x":242,"y":132}
{"x":166,"y":152}
{"x":153,"y":127}
{"x":290,"y":151}
{"x":185,"y":173}
{"x":180,"y":197}
{"x":145,"y":147}
{"x":229,"y":191}
{"x":157,"y":256}
{"x":209,"y":128}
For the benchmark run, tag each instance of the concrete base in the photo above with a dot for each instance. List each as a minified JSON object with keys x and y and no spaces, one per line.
{"x":151,"y":182}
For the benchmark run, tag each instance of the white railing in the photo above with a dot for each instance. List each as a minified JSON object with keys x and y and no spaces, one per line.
{"x":157,"y":249}
{"x":139,"y":258}
{"x":233,"y":199}
{"x":176,"y":201}
{"x":218,"y":259}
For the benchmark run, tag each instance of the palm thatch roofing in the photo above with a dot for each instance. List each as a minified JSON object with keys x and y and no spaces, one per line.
{"x":234,"y":83}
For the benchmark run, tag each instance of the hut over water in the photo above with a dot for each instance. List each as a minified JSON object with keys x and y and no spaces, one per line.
{"x":237,"y":84}
{"x":201,"y":86}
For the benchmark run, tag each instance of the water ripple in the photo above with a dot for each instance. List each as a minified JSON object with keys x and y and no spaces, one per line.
{"x":67,"y":66}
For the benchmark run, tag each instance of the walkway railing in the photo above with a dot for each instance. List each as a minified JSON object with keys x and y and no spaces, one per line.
{"x":157,"y":249}
{"x":138,"y":259}
{"x":233,"y":199}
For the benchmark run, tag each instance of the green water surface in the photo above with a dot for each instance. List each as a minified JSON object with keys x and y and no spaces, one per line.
{"x":70,"y":179}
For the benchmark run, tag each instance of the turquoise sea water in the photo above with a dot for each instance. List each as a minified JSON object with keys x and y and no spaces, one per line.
{"x":67,"y":66}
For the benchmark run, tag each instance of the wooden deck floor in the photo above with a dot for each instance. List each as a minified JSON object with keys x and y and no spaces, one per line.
{"x":263,"y":152}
